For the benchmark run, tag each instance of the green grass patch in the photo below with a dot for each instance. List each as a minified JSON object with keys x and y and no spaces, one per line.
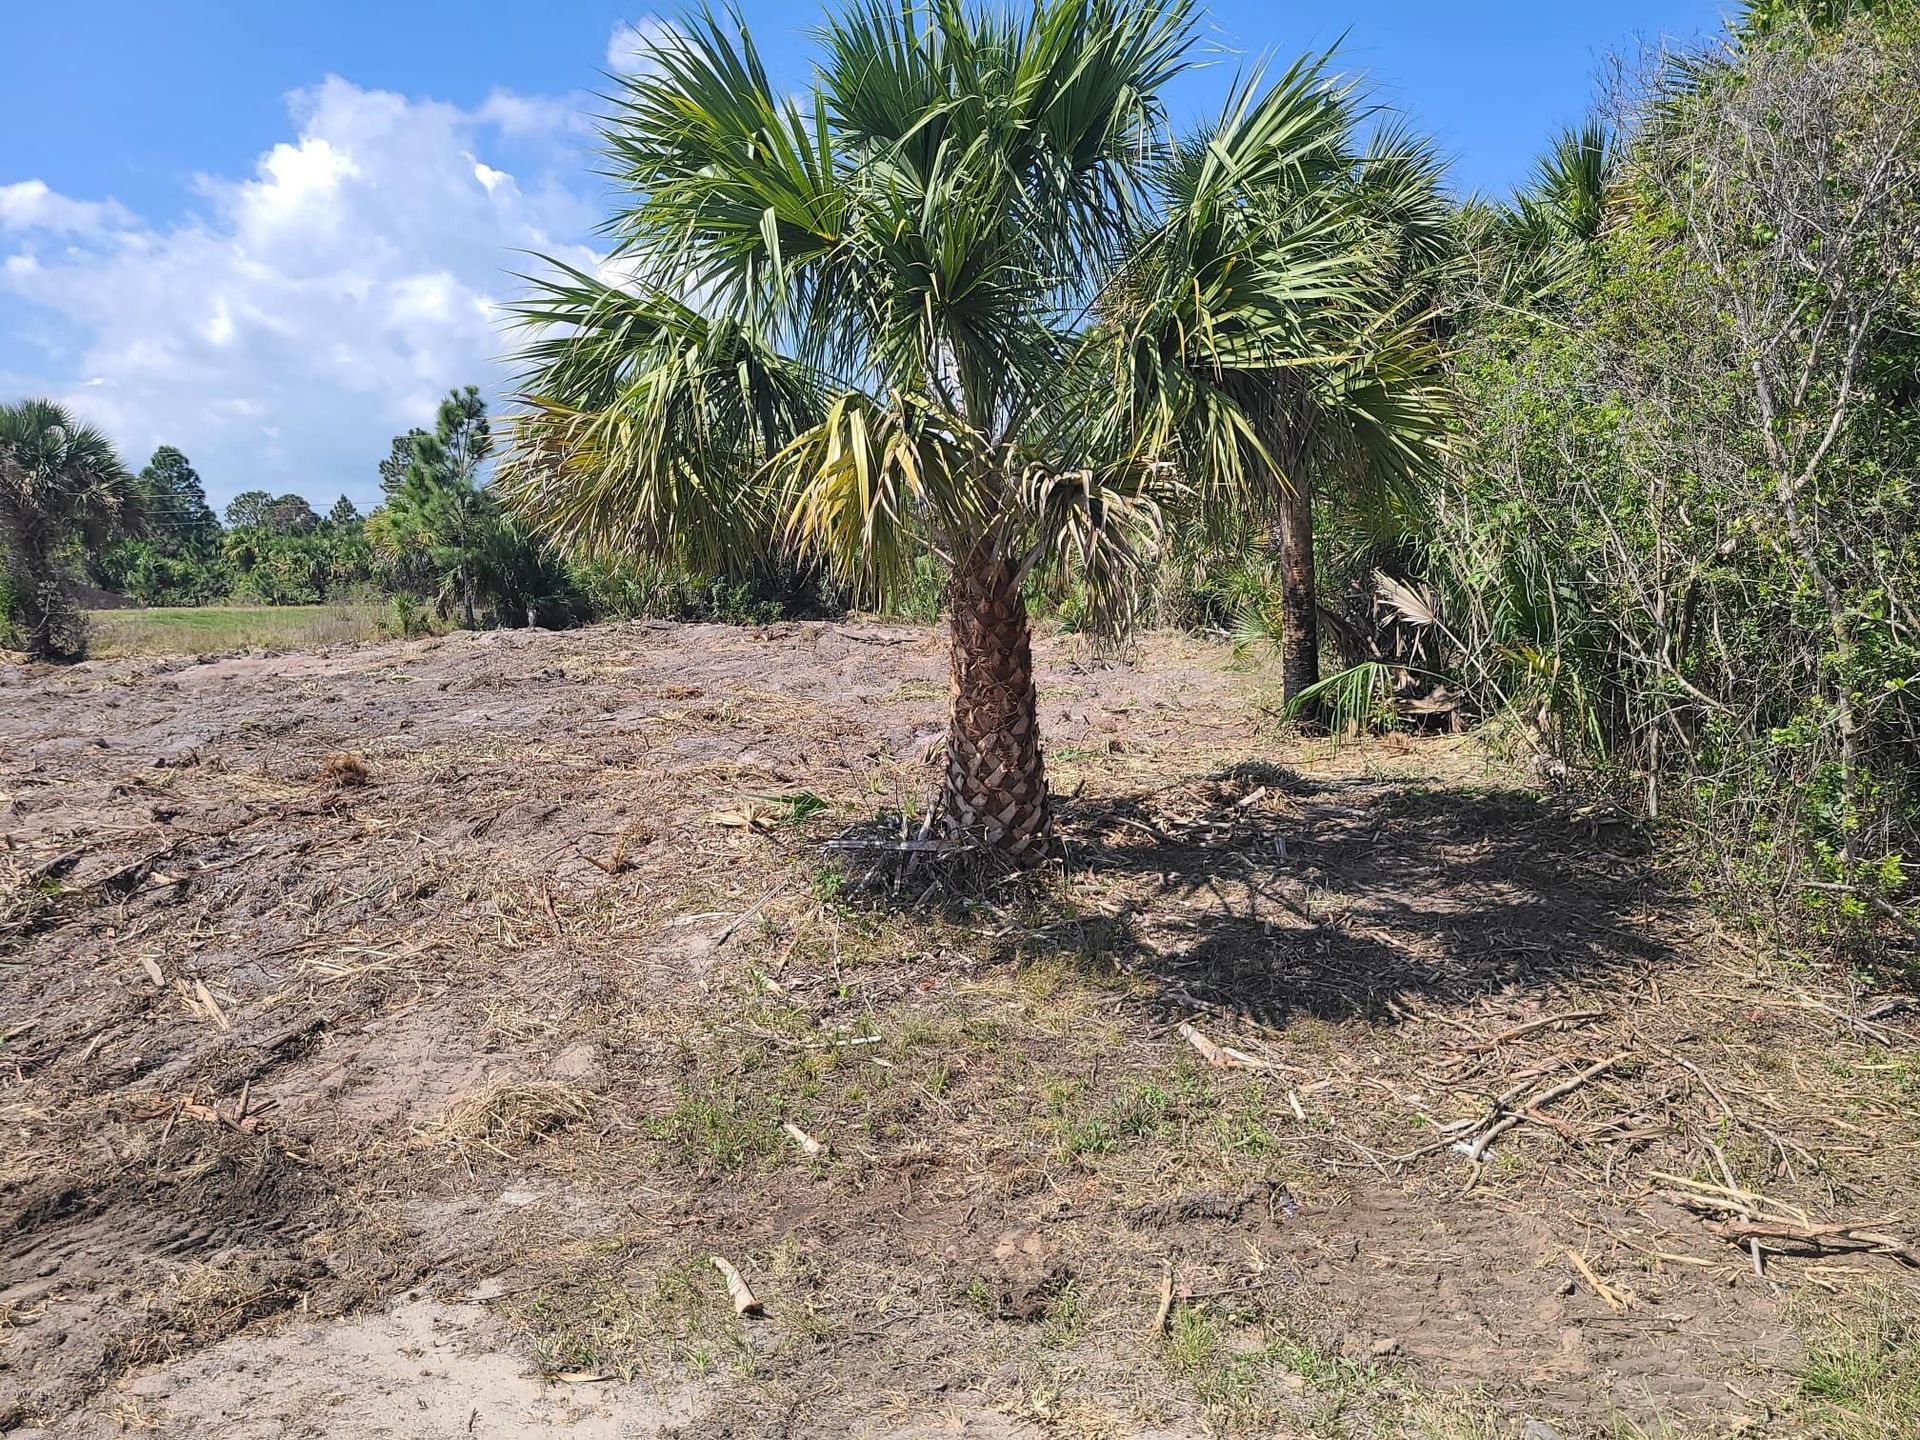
{"x":1861,"y":1377}
{"x":1246,"y":1379}
{"x":720,"y":1127}
{"x":1085,"y":1126}
{"x":214,"y":629}
{"x":611,"y":1322}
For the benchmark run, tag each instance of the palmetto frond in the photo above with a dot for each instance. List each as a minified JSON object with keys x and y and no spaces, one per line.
{"x":967,"y":289}
{"x":1567,"y":192}
{"x":843,"y":320}
{"x":876,"y":477}
{"x":1263,"y":334}
{"x":648,"y":426}
{"x":1101,"y":526}
{"x":62,"y":476}
{"x":1541,"y":239}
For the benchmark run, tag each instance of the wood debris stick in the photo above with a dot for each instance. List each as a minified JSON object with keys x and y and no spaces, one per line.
{"x":744,"y":1301}
{"x":1545,"y":1022}
{"x":1700,"y":1075}
{"x":1832,"y":1277}
{"x":1706,"y":1195}
{"x":1879,"y":1034}
{"x":1892,"y":1005}
{"x":1733,"y":1187}
{"x":192,"y":1109}
{"x":1221,"y":1057}
{"x":745,"y":915}
{"x":805,"y":1141}
{"x":1476,"y":1150}
{"x":1616,"y":1298}
{"x":1755,"y":1218}
{"x":154,"y":972}
{"x":1209,"y":1051}
{"x":679,"y":920}
{"x":845,"y":1042}
{"x":212,"y":1006}
{"x":1817,"y":1237}
{"x":1164,"y":1311}
{"x":167,"y":1129}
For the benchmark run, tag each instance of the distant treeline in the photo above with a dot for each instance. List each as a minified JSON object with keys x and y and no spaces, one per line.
{"x":439,"y":548}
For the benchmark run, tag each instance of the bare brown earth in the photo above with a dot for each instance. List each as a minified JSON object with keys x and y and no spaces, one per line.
{"x":392,"y":1034}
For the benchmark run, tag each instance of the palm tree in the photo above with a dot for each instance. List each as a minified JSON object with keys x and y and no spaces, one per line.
{"x":1540,"y":241}
{"x":60,"y":484}
{"x":873,"y":320}
{"x":1278,"y":327}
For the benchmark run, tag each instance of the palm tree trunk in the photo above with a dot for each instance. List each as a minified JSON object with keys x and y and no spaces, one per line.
{"x":1299,"y":618}
{"x":41,"y":644}
{"x":996,"y":787}
{"x":41,"y":597}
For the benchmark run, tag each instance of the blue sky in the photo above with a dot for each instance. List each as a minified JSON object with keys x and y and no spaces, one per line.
{"x":272,"y":232}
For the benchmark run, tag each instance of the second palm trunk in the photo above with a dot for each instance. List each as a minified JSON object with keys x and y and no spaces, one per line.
{"x":1299,"y":620}
{"x":996,"y":786}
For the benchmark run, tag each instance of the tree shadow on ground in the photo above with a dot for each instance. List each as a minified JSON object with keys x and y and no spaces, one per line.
{"x":1268,"y":895}
{"x":1271,"y":895}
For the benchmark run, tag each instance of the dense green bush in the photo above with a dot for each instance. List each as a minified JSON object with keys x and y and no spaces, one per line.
{"x":1679,"y":538}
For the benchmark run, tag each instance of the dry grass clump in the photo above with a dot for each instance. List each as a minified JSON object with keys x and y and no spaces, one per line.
{"x":202,"y":1303}
{"x":509,"y":1115}
{"x":344,"y":771}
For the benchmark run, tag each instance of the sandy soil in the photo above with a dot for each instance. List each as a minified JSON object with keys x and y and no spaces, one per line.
{"x":392,"y":1033}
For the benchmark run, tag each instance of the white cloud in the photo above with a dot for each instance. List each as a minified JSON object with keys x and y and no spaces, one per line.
{"x":631,"y":46}
{"x":533,"y":115}
{"x":310,"y":311}
{"x":32,"y":205}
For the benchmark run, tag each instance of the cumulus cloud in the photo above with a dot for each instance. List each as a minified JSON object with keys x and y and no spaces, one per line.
{"x":308,"y":312}
{"x":32,"y":205}
{"x":534,"y":116}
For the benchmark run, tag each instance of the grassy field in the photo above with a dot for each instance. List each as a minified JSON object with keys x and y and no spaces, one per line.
{"x":212,"y":629}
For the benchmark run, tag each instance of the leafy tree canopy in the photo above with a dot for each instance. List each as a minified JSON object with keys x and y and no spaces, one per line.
{"x":178,"y":516}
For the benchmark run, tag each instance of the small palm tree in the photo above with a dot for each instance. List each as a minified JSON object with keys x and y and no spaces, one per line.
{"x":1539,"y":243}
{"x":880,"y":319}
{"x":61,"y":486}
{"x":1277,"y":330}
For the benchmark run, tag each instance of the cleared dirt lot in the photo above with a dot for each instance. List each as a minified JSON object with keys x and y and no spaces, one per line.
{"x":392,"y":1034}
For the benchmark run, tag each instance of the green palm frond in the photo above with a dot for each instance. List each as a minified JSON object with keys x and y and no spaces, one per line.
{"x":647,"y":427}
{"x":968,"y":289}
{"x":1350,"y":701}
{"x":62,"y":476}
{"x":1568,"y":189}
{"x":864,"y":485}
{"x":1273,"y":331}
{"x":1543,"y":236}
{"x":1101,"y":527}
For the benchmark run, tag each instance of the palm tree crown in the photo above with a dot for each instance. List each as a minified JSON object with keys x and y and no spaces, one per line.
{"x":60,"y":482}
